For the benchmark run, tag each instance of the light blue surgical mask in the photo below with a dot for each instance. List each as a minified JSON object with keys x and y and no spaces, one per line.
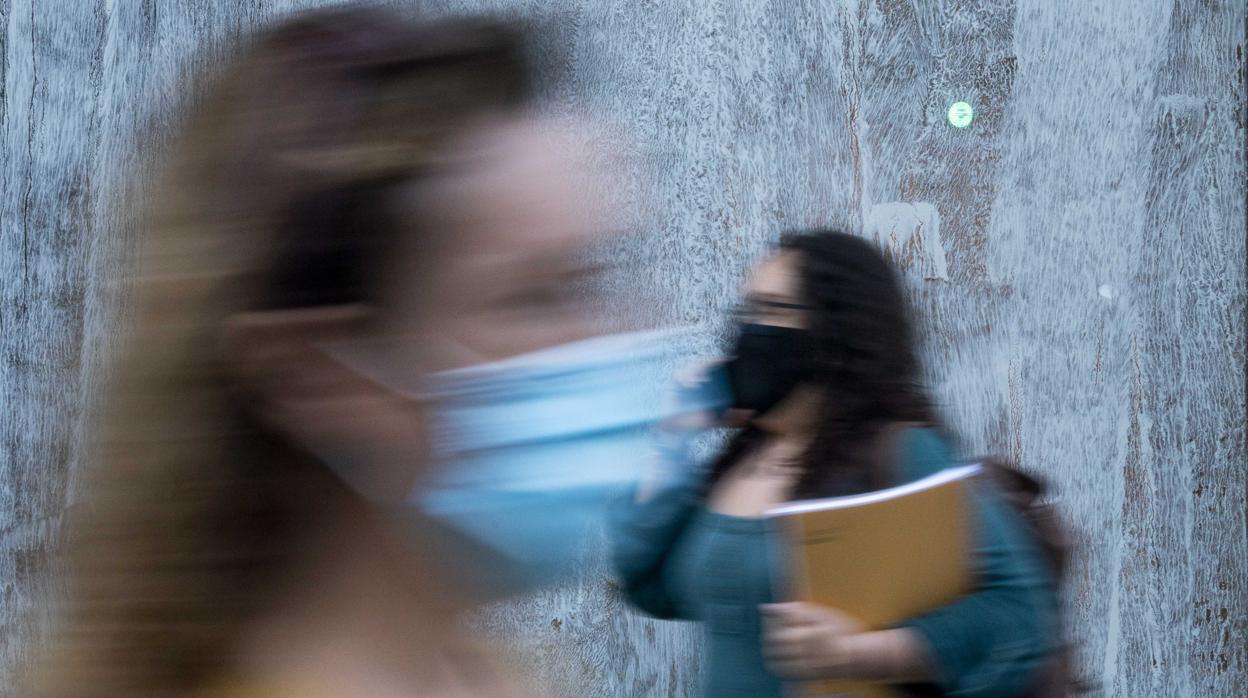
{"x":528,"y":451}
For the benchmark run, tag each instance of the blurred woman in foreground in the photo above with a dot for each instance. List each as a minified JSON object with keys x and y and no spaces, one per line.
{"x":352,"y":179}
{"x":826,"y":377}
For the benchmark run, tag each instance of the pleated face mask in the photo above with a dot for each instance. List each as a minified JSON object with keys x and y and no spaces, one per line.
{"x":528,"y":451}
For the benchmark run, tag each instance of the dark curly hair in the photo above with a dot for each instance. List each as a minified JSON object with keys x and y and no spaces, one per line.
{"x":860,"y":351}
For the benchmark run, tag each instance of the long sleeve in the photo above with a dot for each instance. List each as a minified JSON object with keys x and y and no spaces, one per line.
{"x":992,"y":641}
{"x":645,"y":524}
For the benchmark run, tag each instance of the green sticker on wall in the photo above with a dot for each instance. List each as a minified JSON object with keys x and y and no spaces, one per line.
{"x":960,"y":114}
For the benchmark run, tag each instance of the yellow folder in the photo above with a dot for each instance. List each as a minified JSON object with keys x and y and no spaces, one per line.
{"x":881,"y":556}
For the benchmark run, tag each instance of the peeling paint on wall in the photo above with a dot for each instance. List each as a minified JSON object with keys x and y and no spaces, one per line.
{"x":911,"y":233}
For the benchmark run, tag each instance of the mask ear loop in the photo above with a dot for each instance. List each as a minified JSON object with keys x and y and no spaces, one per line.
{"x":265,"y":355}
{"x":248,"y":344}
{"x":374,"y":360}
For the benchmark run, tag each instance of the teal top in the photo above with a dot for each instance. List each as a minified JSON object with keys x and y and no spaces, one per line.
{"x":679,"y":560}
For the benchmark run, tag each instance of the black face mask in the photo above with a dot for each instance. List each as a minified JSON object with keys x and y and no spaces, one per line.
{"x":766,"y":366}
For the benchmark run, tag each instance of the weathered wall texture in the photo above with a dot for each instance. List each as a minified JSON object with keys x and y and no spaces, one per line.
{"x":1078,"y":252}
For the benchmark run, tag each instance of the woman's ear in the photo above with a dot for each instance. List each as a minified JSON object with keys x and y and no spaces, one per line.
{"x":271,"y":356}
{"x":293,"y":389}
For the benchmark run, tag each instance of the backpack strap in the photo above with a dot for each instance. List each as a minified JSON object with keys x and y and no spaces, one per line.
{"x":1024,"y":492}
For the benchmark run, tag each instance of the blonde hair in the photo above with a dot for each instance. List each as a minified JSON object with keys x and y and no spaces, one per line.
{"x":196,"y":519}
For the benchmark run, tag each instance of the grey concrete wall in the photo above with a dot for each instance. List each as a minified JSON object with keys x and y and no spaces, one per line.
{"x":1078,"y":253}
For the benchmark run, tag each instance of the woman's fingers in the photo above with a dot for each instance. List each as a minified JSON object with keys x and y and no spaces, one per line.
{"x":795,"y":613}
{"x":798,"y":663}
{"x":800,"y":613}
{"x":697,"y":373}
{"x":793,"y":654}
{"x":802,"y":640}
{"x":685,"y":403}
{"x":789,"y":643}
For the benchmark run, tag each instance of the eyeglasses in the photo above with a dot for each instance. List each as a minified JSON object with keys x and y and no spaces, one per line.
{"x":756,"y":309}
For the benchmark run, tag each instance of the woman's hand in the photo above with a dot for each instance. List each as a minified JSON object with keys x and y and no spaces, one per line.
{"x":804,"y":641}
{"x":690,"y":395}
{"x":681,"y":404}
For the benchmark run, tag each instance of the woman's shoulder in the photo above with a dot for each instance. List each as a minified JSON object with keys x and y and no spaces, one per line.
{"x":922,"y":450}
